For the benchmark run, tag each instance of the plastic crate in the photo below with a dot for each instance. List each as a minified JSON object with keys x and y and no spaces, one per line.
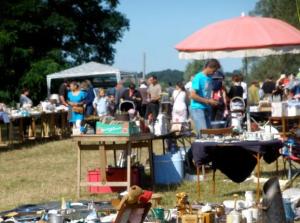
{"x":113,"y":174}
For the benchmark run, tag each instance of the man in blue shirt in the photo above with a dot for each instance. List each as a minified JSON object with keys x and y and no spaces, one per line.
{"x":201,"y":101}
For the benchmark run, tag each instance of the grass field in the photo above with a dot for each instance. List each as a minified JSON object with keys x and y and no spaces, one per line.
{"x":42,"y":172}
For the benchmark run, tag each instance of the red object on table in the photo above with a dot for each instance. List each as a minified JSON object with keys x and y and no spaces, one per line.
{"x":112,"y":175}
{"x":146,"y":196}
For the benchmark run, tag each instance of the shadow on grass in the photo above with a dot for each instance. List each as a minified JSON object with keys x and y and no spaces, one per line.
{"x":28,"y":143}
{"x":166,"y":188}
{"x":240,"y":193}
{"x":274,"y":173}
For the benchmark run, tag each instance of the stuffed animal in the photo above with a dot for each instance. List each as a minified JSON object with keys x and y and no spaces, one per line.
{"x":182,"y":204}
{"x":132,"y":197}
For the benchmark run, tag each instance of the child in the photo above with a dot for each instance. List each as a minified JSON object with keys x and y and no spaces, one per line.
{"x":111,"y":105}
{"x":100,"y":103}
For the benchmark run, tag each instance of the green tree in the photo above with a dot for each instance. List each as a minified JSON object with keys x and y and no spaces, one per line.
{"x":192,"y":68}
{"x":167,"y":76}
{"x":75,"y":31}
{"x":288,"y":11}
{"x":36,"y":76}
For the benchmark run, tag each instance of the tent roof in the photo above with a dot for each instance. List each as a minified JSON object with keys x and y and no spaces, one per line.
{"x":86,"y":69}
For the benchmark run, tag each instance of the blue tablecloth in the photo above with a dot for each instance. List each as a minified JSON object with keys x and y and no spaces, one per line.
{"x":235,"y":159}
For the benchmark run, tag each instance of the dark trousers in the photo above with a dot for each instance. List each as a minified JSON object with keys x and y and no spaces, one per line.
{"x":152,"y":108}
{"x":143,"y":110}
{"x":89,"y":110}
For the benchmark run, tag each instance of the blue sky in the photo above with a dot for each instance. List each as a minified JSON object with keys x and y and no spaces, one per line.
{"x":156,"y":26}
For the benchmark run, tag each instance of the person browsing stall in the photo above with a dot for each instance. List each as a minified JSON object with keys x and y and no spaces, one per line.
{"x":131,"y":94}
{"x":154,"y":93}
{"x":201,"y":101}
{"x":100,"y":103}
{"x":179,"y":98}
{"x":143,"y":91}
{"x":90,"y":96}
{"x":24,"y":98}
{"x":236,"y":90}
{"x":76,"y":101}
{"x":63,"y":92}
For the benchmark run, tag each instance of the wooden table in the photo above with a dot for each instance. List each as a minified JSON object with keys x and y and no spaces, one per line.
{"x":284,"y":121}
{"x":51,"y":124}
{"x":103,"y":143}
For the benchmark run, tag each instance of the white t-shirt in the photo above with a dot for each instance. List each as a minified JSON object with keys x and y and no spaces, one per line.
{"x":245,"y":93}
{"x":179,"y":113}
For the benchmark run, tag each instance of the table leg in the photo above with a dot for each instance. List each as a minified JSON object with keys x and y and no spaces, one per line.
{"x":1,"y":134}
{"x":63,"y":124}
{"x":203,"y":171}
{"x":290,"y":169}
{"x":32,"y":131}
{"x":150,"y":149}
{"x":198,"y":182}
{"x":115,"y":155}
{"x":283,"y":122}
{"x":45,"y":126}
{"x":102,"y":162}
{"x":78,"y":168}
{"x":277,"y":167}
{"x":11,"y":132}
{"x":128,"y":165}
{"x":214,"y":182}
{"x":21,"y":130}
{"x":258,"y":178}
{"x":52,"y":125}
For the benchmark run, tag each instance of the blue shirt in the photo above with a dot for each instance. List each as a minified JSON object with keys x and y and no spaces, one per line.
{"x":76,"y":99}
{"x":202,"y":85}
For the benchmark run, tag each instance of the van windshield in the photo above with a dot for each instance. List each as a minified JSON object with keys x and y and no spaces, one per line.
{"x":105,"y":81}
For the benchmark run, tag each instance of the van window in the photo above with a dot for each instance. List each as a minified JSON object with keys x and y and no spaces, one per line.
{"x":105,"y":81}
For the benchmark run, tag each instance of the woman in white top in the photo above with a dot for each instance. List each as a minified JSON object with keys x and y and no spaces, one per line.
{"x":179,"y":112}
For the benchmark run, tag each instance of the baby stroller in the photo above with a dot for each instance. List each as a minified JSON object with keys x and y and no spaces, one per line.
{"x":237,"y":113}
{"x":126,"y":105}
{"x":127,"y":111}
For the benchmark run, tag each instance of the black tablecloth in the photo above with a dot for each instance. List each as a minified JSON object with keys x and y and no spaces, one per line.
{"x":260,"y":116}
{"x":235,"y":159}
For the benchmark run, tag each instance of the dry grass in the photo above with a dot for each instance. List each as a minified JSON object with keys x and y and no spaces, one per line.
{"x":46,"y":172}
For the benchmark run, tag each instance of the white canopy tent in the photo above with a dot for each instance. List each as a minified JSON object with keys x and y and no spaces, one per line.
{"x":83,"y":70}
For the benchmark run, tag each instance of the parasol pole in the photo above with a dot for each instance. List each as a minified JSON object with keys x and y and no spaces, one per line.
{"x":248,"y":118}
{"x":246,"y":64}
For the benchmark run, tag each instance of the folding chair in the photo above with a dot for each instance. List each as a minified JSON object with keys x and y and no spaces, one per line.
{"x":292,"y":157}
{"x":133,"y":213}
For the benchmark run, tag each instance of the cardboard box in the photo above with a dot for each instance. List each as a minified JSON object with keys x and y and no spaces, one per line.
{"x":117,"y":128}
{"x":190,"y":218}
{"x":279,"y":109}
{"x":293,"y":109}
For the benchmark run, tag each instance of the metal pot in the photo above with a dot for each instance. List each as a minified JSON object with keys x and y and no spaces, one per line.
{"x":55,"y":218}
